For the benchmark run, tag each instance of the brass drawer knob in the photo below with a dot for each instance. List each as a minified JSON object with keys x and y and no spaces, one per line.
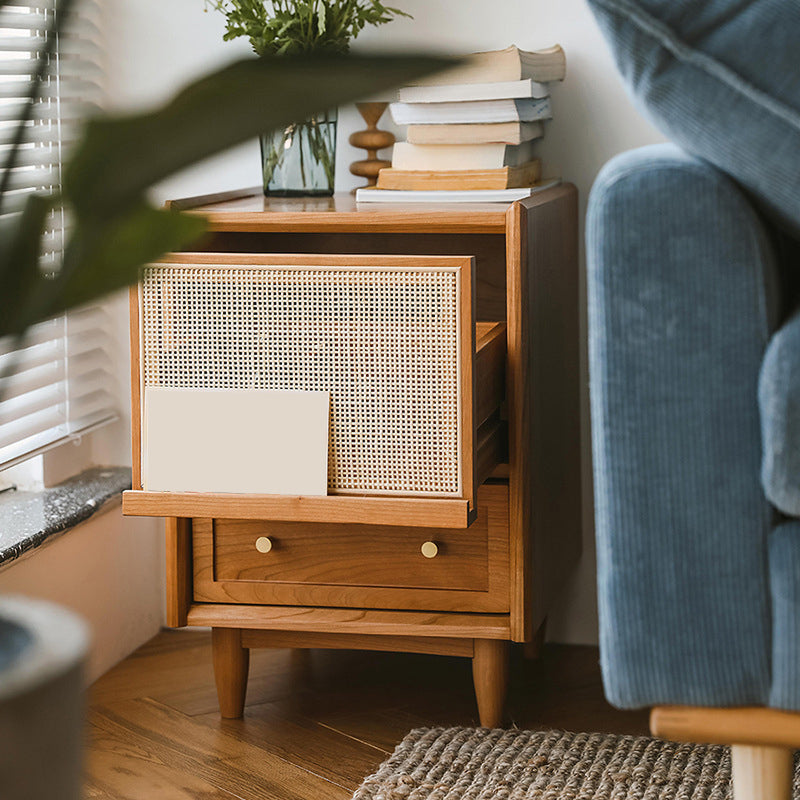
{"x":429,"y":549}
{"x":263,"y":544}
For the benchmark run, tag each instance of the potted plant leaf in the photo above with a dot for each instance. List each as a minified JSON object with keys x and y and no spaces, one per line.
{"x":300,"y":158}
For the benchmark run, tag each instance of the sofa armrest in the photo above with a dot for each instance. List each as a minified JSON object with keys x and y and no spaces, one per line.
{"x":679,"y":277}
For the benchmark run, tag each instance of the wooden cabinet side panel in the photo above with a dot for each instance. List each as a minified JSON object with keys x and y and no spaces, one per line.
{"x":543,"y":380}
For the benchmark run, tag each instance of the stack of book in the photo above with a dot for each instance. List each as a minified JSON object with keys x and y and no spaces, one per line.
{"x":472,"y":131}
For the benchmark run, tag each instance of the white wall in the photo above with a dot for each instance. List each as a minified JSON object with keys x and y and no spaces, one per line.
{"x":156,"y":46}
{"x":109,"y":570}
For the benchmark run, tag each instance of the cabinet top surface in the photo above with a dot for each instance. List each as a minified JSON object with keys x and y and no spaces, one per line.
{"x":250,"y":211}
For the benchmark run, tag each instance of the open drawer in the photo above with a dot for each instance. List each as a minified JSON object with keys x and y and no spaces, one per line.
{"x":415,"y":386}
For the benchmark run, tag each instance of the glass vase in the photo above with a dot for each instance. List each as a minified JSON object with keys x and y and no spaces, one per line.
{"x":300,"y":160}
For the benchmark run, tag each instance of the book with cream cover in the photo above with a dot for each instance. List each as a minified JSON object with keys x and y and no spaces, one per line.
{"x":475,"y":133}
{"x":511,"y":64}
{"x":429,"y":157}
{"x":502,"y":178}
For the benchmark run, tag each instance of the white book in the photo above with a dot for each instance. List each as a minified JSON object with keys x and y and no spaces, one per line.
{"x":525,"y":110}
{"x":473,"y":91}
{"x":454,"y":157}
{"x":462,"y":196}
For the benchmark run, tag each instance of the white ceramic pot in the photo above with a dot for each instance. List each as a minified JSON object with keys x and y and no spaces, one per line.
{"x":43,"y":648}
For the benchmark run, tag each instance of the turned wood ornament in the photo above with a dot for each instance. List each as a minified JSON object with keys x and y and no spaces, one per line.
{"x":371,"y":140}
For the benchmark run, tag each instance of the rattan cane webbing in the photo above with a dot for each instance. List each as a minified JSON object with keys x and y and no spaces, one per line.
{"x":384,"y":342}
{"x":482,"y":764}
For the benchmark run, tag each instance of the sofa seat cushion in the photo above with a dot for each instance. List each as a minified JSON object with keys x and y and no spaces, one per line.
{"x":779,"y":404}
{"x":720,"y":78}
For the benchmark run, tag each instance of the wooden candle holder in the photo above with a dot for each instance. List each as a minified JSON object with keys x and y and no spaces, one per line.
{"x":371,"y":140}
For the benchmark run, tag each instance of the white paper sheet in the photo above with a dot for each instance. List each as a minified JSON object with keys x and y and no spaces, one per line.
{"x":243,"y":440}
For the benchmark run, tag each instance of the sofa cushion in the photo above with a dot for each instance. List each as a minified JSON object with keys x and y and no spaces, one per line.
{"x":779,"y":403}
{"x":720,"y":78}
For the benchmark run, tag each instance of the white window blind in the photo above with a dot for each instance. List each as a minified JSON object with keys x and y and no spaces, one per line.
{"x":57,"y":383}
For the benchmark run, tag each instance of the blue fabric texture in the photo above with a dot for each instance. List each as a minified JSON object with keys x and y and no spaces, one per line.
{"x":784,"y":567}
{"x":720,"y":78}
{"x":779,"y":402}
{"x":678,"y":269}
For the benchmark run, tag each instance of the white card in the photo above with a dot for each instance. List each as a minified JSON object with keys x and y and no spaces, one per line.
{"x":256,"y":441}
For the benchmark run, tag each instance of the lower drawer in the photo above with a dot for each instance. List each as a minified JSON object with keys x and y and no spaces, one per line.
{"x":293,"y":552}
{"x":262,"y":562}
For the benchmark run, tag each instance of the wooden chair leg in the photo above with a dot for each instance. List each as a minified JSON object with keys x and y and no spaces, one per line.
{"x":231,"y":664}
{"x":490,"y":676}
{"x":761,"y":773}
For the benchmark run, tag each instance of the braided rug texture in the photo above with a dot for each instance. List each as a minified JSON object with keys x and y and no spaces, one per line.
{"x":483,"y":764}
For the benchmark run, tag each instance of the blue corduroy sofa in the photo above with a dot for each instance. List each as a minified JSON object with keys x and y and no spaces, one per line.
{"x":694,"y":351}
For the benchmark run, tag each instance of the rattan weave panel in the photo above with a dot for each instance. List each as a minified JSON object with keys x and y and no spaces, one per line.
{"x":383,"y":341}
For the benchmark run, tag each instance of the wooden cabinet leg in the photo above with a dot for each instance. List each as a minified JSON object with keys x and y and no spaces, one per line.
{"x":231,"y":664}
{"x":490,"y":675}
{"x":761,"y":773}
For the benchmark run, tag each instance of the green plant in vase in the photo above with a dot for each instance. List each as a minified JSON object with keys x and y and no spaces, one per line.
{"x":300,"y":159}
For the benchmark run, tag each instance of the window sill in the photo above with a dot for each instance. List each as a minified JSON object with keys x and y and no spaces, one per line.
{"x":29,"y":519}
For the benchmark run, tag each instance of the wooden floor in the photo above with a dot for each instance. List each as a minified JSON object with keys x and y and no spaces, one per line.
{"x":316,"y":721}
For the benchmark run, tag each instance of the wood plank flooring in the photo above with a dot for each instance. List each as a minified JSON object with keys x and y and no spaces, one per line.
{"x":316,"y":722}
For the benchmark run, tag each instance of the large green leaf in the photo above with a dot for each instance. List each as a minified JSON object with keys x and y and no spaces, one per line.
{"x":20,"y":277}
{"x":119,"y":158}
{"x":103,"y":258}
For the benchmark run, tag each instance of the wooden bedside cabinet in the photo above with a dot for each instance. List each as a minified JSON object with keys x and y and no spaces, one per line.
{"x":460,"y":565}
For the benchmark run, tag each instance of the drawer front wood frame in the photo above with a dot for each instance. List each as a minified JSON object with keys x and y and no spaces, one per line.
{"x":491,"y":593}
{"x":348,"y":555}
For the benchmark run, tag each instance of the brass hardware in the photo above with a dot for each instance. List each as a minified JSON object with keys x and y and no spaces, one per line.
{"x":429,"y":549}
{"x":263,"y":544}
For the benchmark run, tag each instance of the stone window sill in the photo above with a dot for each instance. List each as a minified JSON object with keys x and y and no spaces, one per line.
{"x":29,"y":519}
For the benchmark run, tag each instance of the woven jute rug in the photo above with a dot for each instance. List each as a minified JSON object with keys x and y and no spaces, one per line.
{"x":483,"y":764}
